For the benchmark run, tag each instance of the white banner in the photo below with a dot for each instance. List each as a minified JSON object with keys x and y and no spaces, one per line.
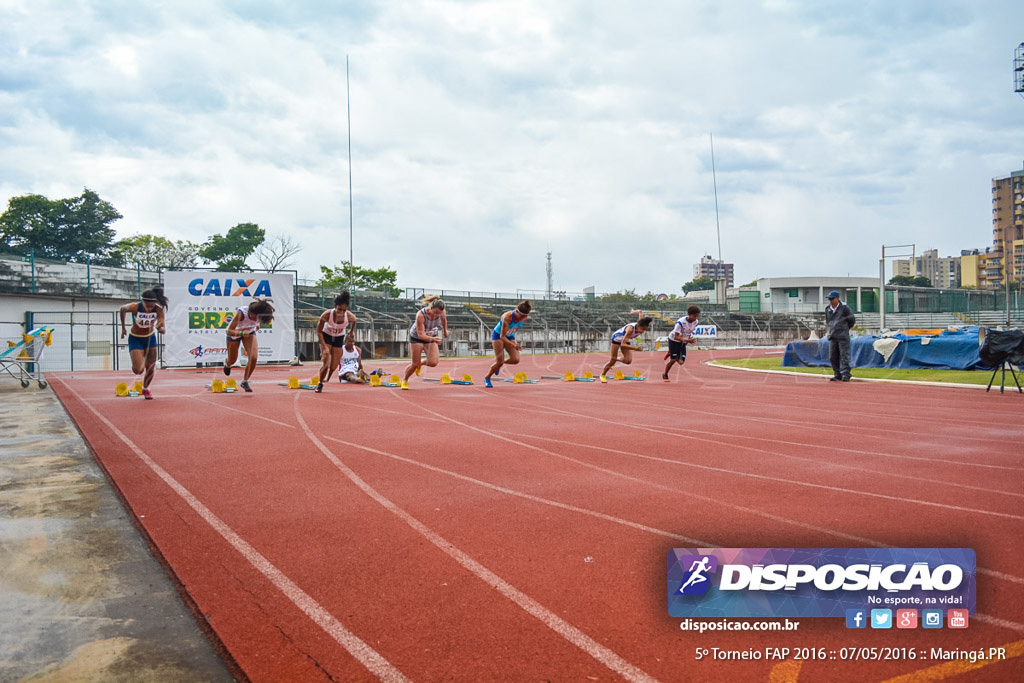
{"x":202,"y":304}
{"x":705,"y":332}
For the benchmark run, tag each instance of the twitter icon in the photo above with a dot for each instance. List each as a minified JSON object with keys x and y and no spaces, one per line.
{"x":881,"y":618}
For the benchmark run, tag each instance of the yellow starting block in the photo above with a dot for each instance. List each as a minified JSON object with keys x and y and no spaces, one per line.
{"x":569,"y":377}
{"x":446,"y":378}
{"x":230,"y":384}
{"x":121,"y":389}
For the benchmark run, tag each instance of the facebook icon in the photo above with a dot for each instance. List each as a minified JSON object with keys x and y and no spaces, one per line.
{"x":856,"y":618}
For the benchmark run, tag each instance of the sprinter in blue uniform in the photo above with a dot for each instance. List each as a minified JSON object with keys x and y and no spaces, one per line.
{"x":503,"y":338}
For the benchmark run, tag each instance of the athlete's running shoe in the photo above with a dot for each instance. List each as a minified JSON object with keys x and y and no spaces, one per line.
{"x":419,"y":369}
{"x":487,"y":382}
{"x":665,"y":377}
{"x":604,"y":380}
{"x":227,"y":369}
{"x":245,"y":385}
{"x":319,"y":388}
{"x":147,"y":394}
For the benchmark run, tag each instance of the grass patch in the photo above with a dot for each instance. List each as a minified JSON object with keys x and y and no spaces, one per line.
{"x":917,"y":375}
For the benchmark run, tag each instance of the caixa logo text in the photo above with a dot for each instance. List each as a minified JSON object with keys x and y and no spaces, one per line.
{"x":830,"y":577}
{"x":229,"y":287}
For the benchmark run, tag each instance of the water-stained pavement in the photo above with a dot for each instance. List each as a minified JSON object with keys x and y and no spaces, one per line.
{"x":81,"y":596}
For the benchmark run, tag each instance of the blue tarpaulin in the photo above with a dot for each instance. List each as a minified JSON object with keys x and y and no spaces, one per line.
{"x":951,"y":350}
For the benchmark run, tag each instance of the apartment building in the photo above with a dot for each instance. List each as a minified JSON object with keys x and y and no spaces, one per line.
{"x":943,"y":272}
{"x":1006,"y":259}
{"x":714,"y":269}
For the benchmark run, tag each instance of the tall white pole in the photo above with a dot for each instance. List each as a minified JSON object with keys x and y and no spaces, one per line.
{"x":348,"y":106}
{"x":714,"y":180}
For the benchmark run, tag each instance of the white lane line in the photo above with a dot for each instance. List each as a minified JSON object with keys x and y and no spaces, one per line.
{"x":697,"y":543}
{"x":687,"y":434}
{"x":528,"y":604}
{"x":362,"y":652}
{"x":691,"y":495}
{"x":764,"y":477}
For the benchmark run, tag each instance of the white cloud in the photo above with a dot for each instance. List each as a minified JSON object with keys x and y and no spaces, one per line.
{"x":486,"y":133}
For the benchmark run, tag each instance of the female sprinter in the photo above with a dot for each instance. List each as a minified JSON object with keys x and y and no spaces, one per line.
{"x":147,"y":320}
{"x":242,"y":332}
{"x":620,"y":341}
{"x":503,"y":338}
{"x":425,"y":335}
{"x":333,"y":328}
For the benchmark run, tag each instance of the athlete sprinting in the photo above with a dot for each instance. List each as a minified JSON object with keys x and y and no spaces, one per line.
{"x":503,"y":338}
{"x":147,"y":320}
{"x":620,"y":342}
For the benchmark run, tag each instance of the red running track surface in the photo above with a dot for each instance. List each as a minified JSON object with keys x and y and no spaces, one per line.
{"x":520,"y":533}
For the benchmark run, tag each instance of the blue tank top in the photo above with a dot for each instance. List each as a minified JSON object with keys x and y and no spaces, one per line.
{"x":512,"y":325}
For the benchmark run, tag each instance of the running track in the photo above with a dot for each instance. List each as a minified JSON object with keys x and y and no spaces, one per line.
{"x":520,"y":533}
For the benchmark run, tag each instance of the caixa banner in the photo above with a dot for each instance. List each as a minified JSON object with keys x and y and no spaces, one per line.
{"x":202,"y":304}
{"x":817,"y":582}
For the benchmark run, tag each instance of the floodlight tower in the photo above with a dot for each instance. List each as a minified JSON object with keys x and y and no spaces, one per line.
{"x":551,"y":278}
{"x":1018,"y":70}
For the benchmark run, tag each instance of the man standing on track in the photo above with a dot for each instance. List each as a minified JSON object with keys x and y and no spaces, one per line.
{"x":839,"y":319}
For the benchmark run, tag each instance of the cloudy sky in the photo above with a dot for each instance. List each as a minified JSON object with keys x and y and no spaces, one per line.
{"x":486,"y":134}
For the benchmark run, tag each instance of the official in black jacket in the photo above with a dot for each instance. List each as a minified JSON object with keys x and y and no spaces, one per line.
{"x":839,"y":319}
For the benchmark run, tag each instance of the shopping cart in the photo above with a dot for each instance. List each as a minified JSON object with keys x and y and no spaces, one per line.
{"x":20,"y":358}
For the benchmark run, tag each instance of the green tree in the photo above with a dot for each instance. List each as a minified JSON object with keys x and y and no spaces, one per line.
{"x":910,"y":281}
{"x":699,"y":284}
{"x":630,"y":296}
{"x":73,"y":229}
{"x":379,"y":279}
{"x":230,"y":250}
{"x":153,"y":252}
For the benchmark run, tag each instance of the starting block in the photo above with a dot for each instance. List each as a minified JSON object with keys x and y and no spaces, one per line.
{"x":519,"y":378}
{"x":122,"y":389}
{"x":638,"y":376}
{"x":467,"y":379}
{"x":294,"y":383}
{"x":220,"y":387}
{"x":588,"y":376}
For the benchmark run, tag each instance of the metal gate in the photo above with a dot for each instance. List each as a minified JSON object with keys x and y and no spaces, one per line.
{"x":83,"y":341}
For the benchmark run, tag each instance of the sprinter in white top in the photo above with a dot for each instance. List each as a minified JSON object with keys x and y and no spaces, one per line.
{"x":620,"y":342}
{"x":679,"y":337}
{"x":336,"y":325}
{"x":245,"y":324}
{"x":425,"y":335}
